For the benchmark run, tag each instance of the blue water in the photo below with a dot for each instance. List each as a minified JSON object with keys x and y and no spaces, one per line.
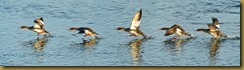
{"x":117,"y":48}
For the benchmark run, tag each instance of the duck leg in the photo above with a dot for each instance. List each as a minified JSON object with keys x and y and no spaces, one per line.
{"x":86,"y":35}
{"x":175,"y":37}
{"x":38,"y":36}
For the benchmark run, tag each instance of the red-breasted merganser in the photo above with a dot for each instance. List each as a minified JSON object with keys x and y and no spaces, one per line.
{"x":213,"y":29}
{"x":176,"y":29}
{"x":134,"y":28}
{"x":38,"y":27}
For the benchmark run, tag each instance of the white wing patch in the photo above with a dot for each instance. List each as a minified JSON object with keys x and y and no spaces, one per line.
{"x":135,"y":24}
{"x":178,"y":31}
{"x":42,"y":22}
{"x":87,"y":32}
{"x":136,"y":20}
{"x":38,"y":30}
{"x":215,"y":35}
{"x":217,"y":26}
{"x":36,"y":25}
{"x":133,"y":32}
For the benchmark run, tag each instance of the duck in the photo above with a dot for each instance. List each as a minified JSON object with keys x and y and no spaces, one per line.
{"x":135,"y":25}
{"x":213,"y":29}
{"x":176,"y":29}
{"x":37,"y":27}
{"x":87,"y":30}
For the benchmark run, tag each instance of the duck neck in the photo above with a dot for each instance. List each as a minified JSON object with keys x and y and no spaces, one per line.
{"x":121,"y":28}
{"x":25,"y":27}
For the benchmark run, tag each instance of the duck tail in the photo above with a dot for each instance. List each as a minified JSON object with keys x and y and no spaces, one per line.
{"x":146,"y":36}
{"x":98,"y":37}
{"x":73,"y":28}
{"x":223,"y":35}
{"x":164,"y":29}
{"x":47,"y":34}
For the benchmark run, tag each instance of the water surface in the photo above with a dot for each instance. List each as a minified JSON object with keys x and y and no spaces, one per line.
{"x":117,"y":48}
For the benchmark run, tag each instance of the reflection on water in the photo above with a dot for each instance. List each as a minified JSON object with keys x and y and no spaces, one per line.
{"x":213,"y":51}
{"x":214,"y":47}
{"x":86,"y":45}
{"x":37,"y":44}
{"x":136,"y":50}
{"x":89,"y":42}
{"x":62,"y":14}
{"x":175,"y":44}
{"x":39,"y":55}
{"x":40,"y":43}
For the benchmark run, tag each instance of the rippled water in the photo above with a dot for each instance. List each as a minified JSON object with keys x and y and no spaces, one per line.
{"x":117,"y":48}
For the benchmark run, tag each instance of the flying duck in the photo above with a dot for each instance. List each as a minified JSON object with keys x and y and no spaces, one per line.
{"x":38,"y":27}
{"x":88,"y":31}
{"x":177,"y":29}
{"x":213,"y":30}
{"x":134,"y":27}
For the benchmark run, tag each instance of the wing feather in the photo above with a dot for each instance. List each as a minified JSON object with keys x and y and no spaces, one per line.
{"x":136,"y":20}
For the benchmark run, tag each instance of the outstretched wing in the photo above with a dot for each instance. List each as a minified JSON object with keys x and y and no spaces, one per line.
{"x":86,"y":30}
{"x":178,"y":27}
{"x":171,"y":30}
{"x":213,"y":27}
{"x":175,"y":29}
{"x":179,"y":30}
{"x":136,"y":20}
{"x":36,"y":25}
{"x":215,"y":31}
{"x":39,"y":23}
{"x":83,"y":30}
{"x":215,"y":22}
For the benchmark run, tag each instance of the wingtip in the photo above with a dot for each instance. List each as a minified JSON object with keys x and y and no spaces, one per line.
{"x":214,"y":19}
{"x":41,"y":18}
